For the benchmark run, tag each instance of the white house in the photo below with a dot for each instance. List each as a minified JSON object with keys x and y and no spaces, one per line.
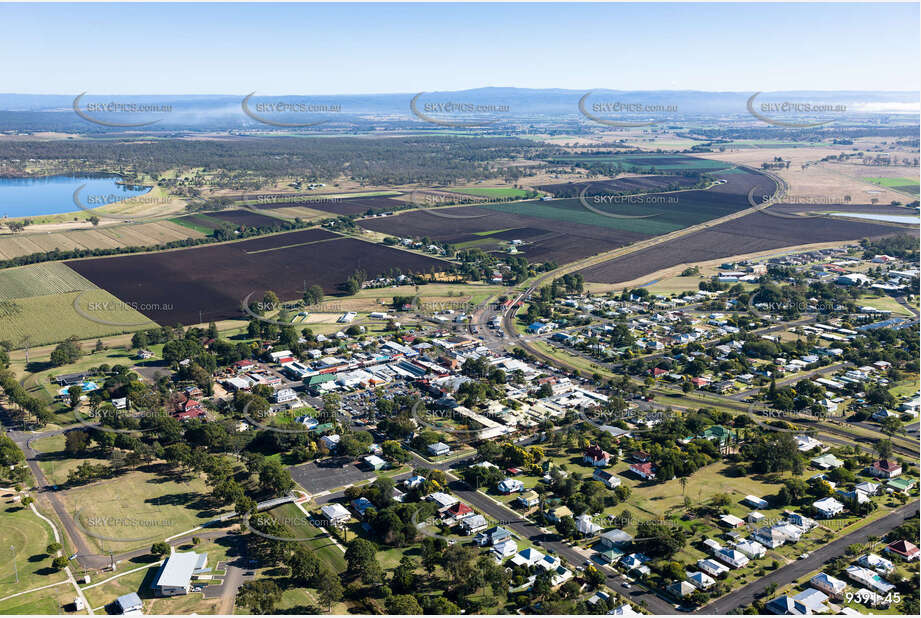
{"x":868,"y":578}
{"x":752,"y":549}
{"x":331,"y":441}
{"x":700,"y":580}
{"x":586,"y":526}
{"x":510,"y":486}
{"x":732,"y":557}
{"x":712,"y":567}
{"x":335,"y":513}
{"x":756,"y":502}
{"x":175,"y":576}
{"x":876,"y":562}
{"x":527,"y":557}
{"x":831,"y":586}
{"x":504,"y":549}
{"x":828,"y":507}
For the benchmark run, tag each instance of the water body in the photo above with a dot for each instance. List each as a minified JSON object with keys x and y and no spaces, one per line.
{"x":50,"y":195}
{"x":873,"y":217}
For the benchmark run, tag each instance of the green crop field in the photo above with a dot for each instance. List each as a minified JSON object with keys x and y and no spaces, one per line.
{"x":37,"y":307}
{"x":908,"y":185}
{"x":38,"y":320}
{"x":41,"y":280}
{"x":495,"y":192}
{"x":645,"y":161}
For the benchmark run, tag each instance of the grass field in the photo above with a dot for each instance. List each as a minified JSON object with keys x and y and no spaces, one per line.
{"x":885,"y":303}
{"x":49,"y":602}
{"x":138,"y":581}
{"x":54,"y":462}
{"x":494,"y":192}
{"x":138,"y":508}
{"x":23,"y":538}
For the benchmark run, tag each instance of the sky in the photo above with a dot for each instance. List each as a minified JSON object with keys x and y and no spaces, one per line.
{"x":381,"y":48}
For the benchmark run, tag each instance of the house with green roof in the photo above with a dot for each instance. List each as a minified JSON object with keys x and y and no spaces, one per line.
{"x":826,"y":462}
{"x":719,"y":433}
{"x":901,"y":485}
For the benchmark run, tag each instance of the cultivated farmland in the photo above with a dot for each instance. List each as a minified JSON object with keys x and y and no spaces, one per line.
{"x":631,"y":184}
{"x":37,"y":306}
{"x":339,"y":206}
{"x":174,"y":286}
{"x":749,"y":234}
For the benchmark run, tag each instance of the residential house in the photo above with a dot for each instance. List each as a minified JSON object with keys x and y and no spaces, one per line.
{"x":901,"y":485}
{"x":615,"y":538}
{"x":331,"y":441}
{"x":731,"y":557}
{"x":493,"y":536}
{"x":681,"y":589}
{"x":457,"y":511}
{"x":335,"y":513}
{"x":832,"y":586}
{"x":867,"y":487}
{"x":800,"y":521}
{"x":442,"y":499}
{"x":806,"y":443}
{"x":866,"y":577}
{"x":527,"y":557}
{"x":885,"y":468}
{"x":752,"y":549}
{"x":510,"y":486}
{"x":129,"y":604}
{"x":876,"y":562}
{"x":712,"y":567}
{"x":529,"y":499}
{"x":438,"y":449}
{"x":504,"y":549}
{"x":906,"y":549}
{"x":596,"y":456}
{"x":828,"y":507}
{"x":361,"y":505}
{"x":414,"y":481}
{"x":586,"y":526}
{"x":826,"y":462}
{"x":474,"y":523}
{"x":813,"y":600}
{"x":786,"y":606}
{"x":731,"y":521}
{"x":610,"y":481}
{"x":700,"y":580}
{"x":644,"y":470}
{"x":770,"y":537}
{"x":557,"y":513}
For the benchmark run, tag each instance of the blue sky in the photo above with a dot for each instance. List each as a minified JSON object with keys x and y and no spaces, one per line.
{"x":374,"y":48}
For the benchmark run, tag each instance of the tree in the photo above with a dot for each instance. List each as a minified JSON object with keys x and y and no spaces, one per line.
{"x":53,"y":548}
{"x":403,"y":604}
{"x":75,"y":442}
{"x":361,"y":556}
{"x":261,"y":596}
{"x":160,"y":548}
{"x":74,"y":393}
{"x":329,"y":587}
{"x":59,"y":562}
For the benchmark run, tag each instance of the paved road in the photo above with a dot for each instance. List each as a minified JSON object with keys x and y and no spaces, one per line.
{"x":746,"y":595}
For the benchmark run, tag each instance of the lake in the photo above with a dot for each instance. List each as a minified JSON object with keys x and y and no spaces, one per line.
{"x":50,"y":195}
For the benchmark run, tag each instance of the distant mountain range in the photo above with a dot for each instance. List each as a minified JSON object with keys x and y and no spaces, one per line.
{"x":34,"y":112}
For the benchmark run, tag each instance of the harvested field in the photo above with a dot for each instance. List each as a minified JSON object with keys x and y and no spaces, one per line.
{"x":339,"y":205}
{"x":642,"y":162}
{"x":138,"y":234}
{"x":174,"y":286}
{"x":748,"y":234}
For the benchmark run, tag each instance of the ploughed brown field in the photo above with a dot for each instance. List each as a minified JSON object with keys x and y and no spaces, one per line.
{"x":174,"y":286}
{"x":339,"y":206}
{"x":749,"y":234}
{"x":546,"y":239}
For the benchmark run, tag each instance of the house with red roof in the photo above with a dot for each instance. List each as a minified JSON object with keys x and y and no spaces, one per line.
{"x":656,"y":372}
{"x":457,"y":511}
{"x":885,"y":468}
{"x":596,"y":456}
{"x":644,"y":470}
{"x":905,"y":549}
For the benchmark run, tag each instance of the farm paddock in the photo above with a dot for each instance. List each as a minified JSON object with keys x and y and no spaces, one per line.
{"x":749,"y":234}
{"x":208,"y":283}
